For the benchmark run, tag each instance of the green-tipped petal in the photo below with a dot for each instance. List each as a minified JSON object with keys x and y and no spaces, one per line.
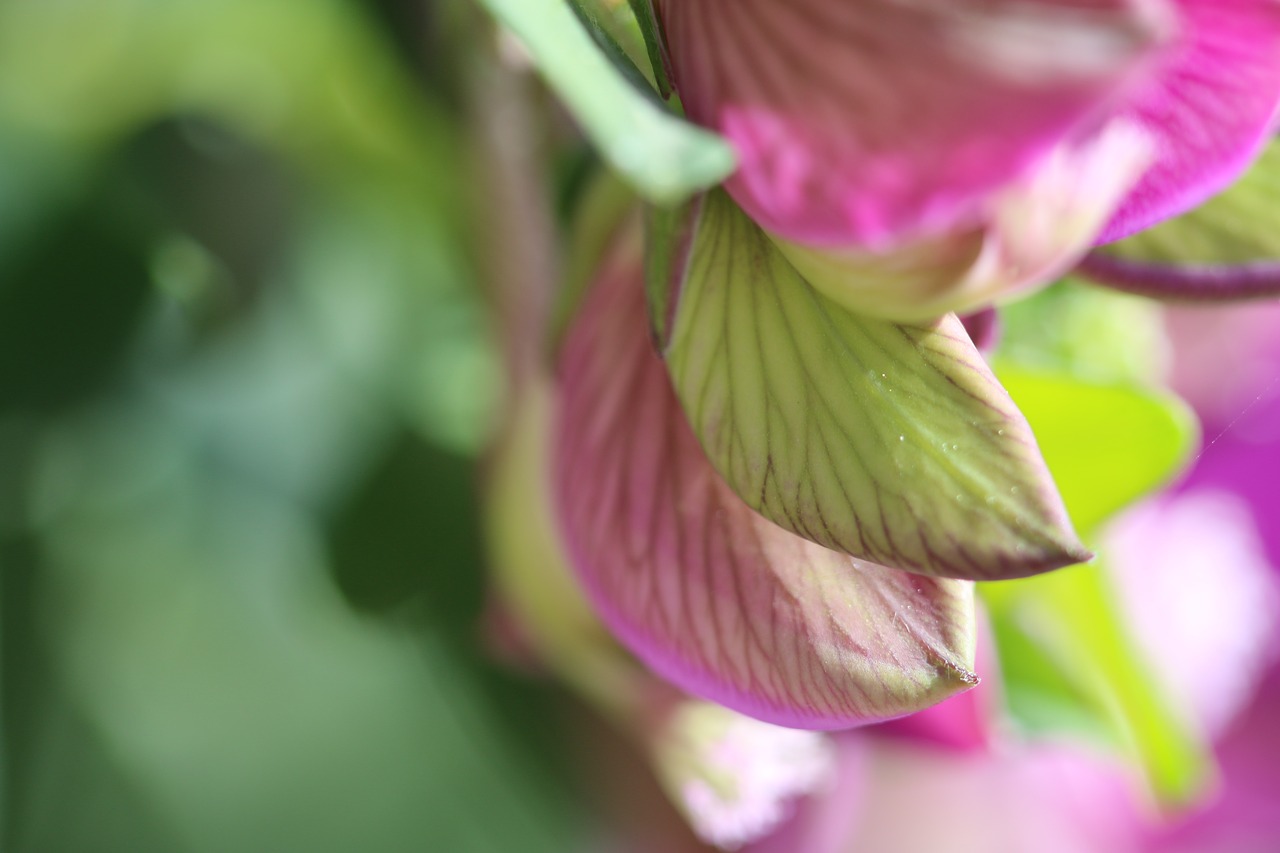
{"x":707,"y":592}
{"x":892,"y":443}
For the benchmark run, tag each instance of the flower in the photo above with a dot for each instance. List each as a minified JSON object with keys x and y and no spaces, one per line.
{"x":1214,"y":642}
{"x":699,"y":586}
{"x":773,"y":509}
{"x":777,"y":459}
{"x":917,"y":157}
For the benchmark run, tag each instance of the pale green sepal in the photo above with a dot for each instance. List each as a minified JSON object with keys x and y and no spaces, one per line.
{"x":1240,"y":225}
{"x":664,"y":157}
{"x":892,"y":443}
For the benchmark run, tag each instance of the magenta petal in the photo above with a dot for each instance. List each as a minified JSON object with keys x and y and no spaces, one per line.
{"x":865,"y":123}
{"x":709,"y":594}
{"x":1209,"y":110}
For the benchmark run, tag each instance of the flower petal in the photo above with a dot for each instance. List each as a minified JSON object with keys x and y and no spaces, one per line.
{"x":1225,"y":250}
{"x":824,"y":823}
{"x":1200,"y":597}
{"x":965,"y":723}
{"x":1210,"y":108}
{"x":736,"y":779}
{"x":709,"y":594}
{"x":893,"y":443}
{"x":864,"y":123}
{"x":1035,"y":229}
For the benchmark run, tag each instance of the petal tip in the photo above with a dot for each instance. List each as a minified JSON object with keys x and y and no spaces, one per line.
{"x":1059,"y":553}
{"x":1066,"y":551}
{"x":960,"y":676}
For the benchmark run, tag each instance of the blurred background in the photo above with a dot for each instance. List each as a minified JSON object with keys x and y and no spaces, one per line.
{"x":245,"y":373}
{"x":249,"y":367}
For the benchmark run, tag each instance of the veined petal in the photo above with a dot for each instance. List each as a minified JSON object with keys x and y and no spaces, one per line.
{"x":893,"y":443}
{"x":1210,"y":108}
{"x":866,"y":123}
{"x":708,"y":593}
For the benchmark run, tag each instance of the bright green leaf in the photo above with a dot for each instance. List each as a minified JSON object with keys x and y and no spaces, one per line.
{"x":1067,"y":660}
{"x":1107,"y":445}
{"x":1066,"y":655}
{"x":665,"y":158}
{"x":893,"y":443}
{"x":1089,"y":332}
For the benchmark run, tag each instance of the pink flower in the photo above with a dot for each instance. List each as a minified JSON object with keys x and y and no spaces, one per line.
{"x":917,"y":157}
{"x":700,"y":587}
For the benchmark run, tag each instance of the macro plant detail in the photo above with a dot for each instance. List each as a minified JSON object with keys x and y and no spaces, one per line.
{"x":778,"y":457}
{"x":823,"y":420}
{"x":935,"y":156}
{"x":660,"y":426}
{"x":701,"y":587}
{"x":1062,"y":123}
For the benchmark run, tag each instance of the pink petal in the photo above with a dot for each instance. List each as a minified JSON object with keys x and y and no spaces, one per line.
{"x":1209,"y":109}
{"x":865,"y":123}
{"x":1037,"y":226}
{"x":1243,"y":818}
{"x":1201,"y":598}
{"x":709,"y":594}
{"x":1037,"y":798}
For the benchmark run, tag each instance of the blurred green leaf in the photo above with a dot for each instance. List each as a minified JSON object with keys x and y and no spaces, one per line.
{"x":664,"y":157}
{"x":190,"y":621}
{"x":207,"y":688}
{"x":1095,"y":334}
{"x":1068,"y":663}
{"x":408,"y":534}
{"x":1067,"y":659}
{"x":70,"y":303}
{"x":1107,"y":444}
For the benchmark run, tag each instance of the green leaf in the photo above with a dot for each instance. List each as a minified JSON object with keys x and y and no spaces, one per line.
{"x":1063,"y":646}
{"x":664,"y":157}
{"x":1240,"y":225}
{"x":1067,"y":660}
{"x":893,"y":443}
{"x":1089,"y":332}
{"x":1106,"y":444}
{"x":647,"y":20}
